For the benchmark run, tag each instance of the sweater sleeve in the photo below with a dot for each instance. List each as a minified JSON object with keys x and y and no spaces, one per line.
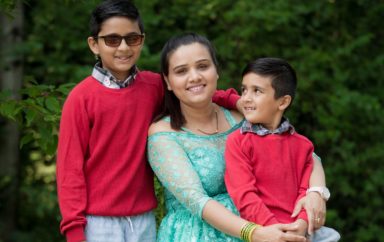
{"x":71,"y":187}
{"x":226,"y":99}
{"x":241,"y":183}
{"x":304,"y":182}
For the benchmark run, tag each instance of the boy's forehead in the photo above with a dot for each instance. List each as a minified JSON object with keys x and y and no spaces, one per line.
{"x":121,"y":25}
{"x":253,"y":79}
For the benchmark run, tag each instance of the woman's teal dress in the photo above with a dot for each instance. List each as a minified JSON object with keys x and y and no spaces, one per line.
{"x":191,"y":168}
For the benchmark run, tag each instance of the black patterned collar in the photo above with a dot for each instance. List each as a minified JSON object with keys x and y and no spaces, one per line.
{"x":262,"y":131}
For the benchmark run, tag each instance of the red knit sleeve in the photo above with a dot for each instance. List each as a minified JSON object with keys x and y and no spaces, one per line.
{"x":241,"y":182}
{"x":71,"y":187}
{"x":227,"y":98}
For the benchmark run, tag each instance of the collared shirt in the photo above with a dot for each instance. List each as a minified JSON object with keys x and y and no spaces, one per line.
{"x":262,"y":131}
{"x":107,"y":79}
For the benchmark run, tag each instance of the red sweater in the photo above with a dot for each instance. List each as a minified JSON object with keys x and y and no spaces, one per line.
{"x":266,"y":175}
{"x":101,"y":161}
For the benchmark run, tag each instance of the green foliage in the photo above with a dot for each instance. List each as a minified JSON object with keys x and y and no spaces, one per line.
{"x":7,"y":6}
{"x":55,"y":48}
{"x":336,"y":48}
{"x":38,"y":113}
{"x":38,"y":209}
{"x":160,"y":211}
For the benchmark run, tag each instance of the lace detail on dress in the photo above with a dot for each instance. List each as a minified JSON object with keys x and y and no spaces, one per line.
{"x":191,"y":168}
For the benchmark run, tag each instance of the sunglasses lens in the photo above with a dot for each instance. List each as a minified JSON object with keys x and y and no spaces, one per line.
{"x":133,"y":39}
{"x":113,"y":41}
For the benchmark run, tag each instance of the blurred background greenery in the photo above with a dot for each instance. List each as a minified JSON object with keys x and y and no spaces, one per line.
{"x":336,"y":47}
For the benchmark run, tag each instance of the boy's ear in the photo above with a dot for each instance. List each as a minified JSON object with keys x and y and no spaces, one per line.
{"x":93,"y":45}
{"x":285,"y":101}
{"x":167,"y":81}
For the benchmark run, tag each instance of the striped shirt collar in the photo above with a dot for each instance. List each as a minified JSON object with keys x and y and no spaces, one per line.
{"x":262,"y":131}
{"x":107,"y":79}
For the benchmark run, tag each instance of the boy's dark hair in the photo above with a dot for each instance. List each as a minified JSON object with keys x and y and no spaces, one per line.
{"x":171,"y":102}
{"x":283,"y":76}
{"x":113,"y":8}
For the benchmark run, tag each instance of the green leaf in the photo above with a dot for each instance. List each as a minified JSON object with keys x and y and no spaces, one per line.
{"x":30,"y":116}
{"x":26,"y":139}
{"x":10,"y":109}
{"x":52,"y":104}
{"x":65,"y":88}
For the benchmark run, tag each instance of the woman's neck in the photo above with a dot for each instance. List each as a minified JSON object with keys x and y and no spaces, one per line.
{"x":202,"y":120}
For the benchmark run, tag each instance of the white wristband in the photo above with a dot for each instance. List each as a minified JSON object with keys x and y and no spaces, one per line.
{"x":323,"y":191}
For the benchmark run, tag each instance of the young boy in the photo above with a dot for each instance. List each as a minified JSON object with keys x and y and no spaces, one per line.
{"x":268,"y":164}
{"x":105,"y":185}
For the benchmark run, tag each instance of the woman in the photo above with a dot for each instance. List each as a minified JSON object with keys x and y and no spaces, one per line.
{"x":186,"y":147}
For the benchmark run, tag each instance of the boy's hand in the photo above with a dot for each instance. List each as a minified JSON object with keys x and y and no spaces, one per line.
{"x":301,"y":227}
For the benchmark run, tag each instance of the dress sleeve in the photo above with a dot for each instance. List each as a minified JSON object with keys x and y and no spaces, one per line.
{"x":315,"y":156}
{"x":174,"y":170}
{"x":226,"y":99}
{"x":71,"y":187}
{"x":241,"y":183}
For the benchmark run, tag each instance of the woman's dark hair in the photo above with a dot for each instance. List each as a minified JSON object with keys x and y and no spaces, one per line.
{"x":171,"y":102}
{"x":283,"y":76}
{"x":113,"y":8}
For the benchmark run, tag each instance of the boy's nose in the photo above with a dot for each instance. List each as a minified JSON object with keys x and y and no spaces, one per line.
{"x":123,"y":44}
{"x":246,"y":96}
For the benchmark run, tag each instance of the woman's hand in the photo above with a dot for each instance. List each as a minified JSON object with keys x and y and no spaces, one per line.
{"x":316,"y":210}
{"x":276,"y":233}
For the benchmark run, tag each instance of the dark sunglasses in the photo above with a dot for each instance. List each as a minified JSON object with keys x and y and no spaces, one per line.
{"x":114,"y":40}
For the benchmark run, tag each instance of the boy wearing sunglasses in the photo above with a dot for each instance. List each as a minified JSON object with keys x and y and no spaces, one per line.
{"x":105,"y":185}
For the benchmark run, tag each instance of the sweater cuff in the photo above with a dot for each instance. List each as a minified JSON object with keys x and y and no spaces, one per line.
{"x":75,"y":234}
{"x":233,"y":98}
{"x":227,"y":98}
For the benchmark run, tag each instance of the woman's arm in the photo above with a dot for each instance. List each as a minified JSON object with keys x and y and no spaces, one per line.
{"x":173,"y":169}
{"x":312,"y":202}
{"x":222,"y":219}
{"x":318,"y":176}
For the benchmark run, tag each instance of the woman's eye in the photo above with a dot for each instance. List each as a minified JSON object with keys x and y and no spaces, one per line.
{"x":181,"y":71}
{"x":203,"y":67}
